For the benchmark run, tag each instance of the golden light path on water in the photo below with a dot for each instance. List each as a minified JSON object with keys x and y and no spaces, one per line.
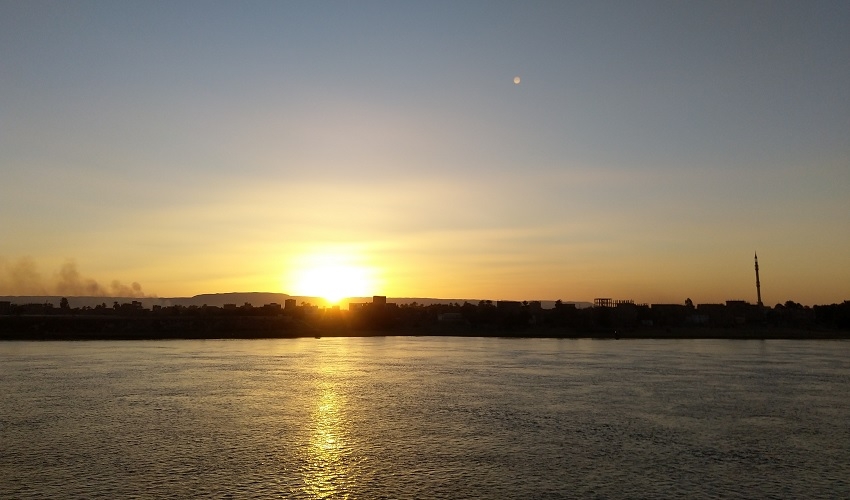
{"x":330,"y":467}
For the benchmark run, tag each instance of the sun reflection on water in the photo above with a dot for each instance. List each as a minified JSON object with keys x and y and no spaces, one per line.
{"x":328,"y":471}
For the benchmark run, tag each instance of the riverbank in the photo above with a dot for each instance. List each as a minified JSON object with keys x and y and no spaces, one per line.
{"x":93,"y":328}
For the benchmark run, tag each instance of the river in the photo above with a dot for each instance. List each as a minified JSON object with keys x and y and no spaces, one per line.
{"x":425,"y":417}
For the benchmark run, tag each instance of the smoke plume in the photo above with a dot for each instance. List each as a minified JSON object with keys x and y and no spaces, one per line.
{"x":22,"y":277}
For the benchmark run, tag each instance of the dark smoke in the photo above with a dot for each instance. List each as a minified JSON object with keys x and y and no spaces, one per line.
{"x":69,"y":282}
{"x":23,"y":278}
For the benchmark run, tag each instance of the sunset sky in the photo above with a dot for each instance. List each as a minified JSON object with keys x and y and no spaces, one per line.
{"x":648,"y":151}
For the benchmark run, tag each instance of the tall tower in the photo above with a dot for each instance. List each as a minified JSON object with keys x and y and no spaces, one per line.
{"x":758,"y":283}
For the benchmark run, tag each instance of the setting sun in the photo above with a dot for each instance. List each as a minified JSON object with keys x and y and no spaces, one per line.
{"x":332,"y":277}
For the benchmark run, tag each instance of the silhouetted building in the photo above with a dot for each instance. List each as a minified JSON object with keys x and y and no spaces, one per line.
{"x":717,"y":314}
{"x":36,"y":308}
{"x":562,"y":306}
{"x":608,"y":302}
{"x":669,"y":314}
{"x":379,"y":300}
{"x":744,"y":312}
{"x":627,"y":313}
{"x":508,"y":305}
{"x":289,"y":305}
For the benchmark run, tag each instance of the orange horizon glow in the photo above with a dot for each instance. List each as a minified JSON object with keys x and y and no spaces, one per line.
{"x":334,"y":272}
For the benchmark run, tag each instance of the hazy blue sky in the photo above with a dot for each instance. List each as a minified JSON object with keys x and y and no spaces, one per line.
{"x":649,"y":150}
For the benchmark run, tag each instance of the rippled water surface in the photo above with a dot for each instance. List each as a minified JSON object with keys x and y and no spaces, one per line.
{"x":403,"y":417}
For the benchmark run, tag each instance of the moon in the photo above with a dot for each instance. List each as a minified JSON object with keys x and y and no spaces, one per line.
{"x":517,"y":80}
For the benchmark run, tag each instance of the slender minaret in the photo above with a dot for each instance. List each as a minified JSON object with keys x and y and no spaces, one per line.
{"x":758,"y":283}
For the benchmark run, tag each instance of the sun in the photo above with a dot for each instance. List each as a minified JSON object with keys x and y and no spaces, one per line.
{"x":332,"y":277}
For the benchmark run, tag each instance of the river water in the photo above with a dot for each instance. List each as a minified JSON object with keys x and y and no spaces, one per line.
{"x":425,"y":417}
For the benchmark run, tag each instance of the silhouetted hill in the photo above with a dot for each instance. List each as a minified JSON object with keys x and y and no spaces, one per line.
{"x":238,"y":298}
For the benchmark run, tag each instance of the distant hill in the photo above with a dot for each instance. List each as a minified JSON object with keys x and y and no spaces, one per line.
{"x":240,"y":298}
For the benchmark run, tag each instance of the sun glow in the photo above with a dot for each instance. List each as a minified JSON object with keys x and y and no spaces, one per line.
{"x":332,"y":277}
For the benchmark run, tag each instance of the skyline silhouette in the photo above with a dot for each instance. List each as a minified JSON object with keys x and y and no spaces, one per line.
{"x":606,"y":318}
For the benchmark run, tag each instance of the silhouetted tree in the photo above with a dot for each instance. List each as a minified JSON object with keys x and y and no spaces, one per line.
{"x":63,"y":304}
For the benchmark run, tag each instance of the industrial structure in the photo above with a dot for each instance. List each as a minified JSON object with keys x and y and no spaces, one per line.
{"x":758,"y":283}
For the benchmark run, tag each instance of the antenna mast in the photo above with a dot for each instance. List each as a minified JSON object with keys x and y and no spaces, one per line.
{"x":758,"y":283}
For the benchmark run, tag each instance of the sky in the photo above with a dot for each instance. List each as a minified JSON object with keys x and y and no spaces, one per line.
{"x":649,"y":150}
